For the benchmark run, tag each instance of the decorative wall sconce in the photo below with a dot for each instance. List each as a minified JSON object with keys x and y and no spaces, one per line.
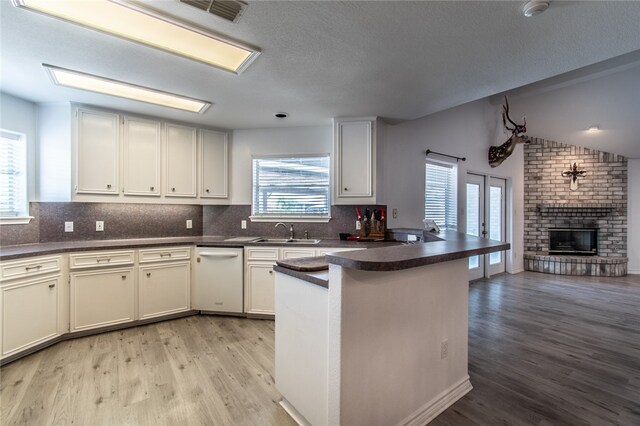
{"x":574,"y":174}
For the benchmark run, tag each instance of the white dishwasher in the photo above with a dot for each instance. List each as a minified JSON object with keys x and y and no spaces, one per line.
{"x":218,"y":284}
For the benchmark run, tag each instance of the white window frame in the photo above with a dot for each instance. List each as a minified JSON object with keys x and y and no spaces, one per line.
{"x":454,"y":197}
{"x":297,"y":217}
{"x":20,"y":217}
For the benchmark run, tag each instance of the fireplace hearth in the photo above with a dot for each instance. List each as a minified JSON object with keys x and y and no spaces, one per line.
{"x":573,"y":241}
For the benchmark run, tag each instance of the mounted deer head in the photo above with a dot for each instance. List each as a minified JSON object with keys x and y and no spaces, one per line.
{"x":497,"y":154}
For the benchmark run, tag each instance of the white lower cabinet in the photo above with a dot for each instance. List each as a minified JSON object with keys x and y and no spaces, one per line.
{"x":259,"y":279}
{"x":102,"y":297}
{"x":29,"y":313}
{"x":163,"y":289}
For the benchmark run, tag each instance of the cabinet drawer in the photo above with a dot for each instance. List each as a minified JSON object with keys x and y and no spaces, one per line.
{"x":261,"y":253}
{"x":296,"y":252}
{"x":30,"y":267}
{"x":102,"y":258}
{"x":164,"y":254}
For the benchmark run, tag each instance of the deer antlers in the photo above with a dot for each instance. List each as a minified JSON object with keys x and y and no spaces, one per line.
{"x":517,"y":128}
{"x":497,"y":154}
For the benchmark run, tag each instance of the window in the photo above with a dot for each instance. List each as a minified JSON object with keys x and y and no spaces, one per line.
{"x":440,"y":199}
{"x":13,"y":175}
{"x":291,"y":188}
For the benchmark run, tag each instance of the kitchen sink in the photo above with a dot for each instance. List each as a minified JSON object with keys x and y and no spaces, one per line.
{"x":287,"y":241}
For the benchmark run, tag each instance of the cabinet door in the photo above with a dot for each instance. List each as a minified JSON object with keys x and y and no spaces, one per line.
{"x":142,"y":145}
{"x":296,"y":252}
{"x":163,"y":289}
{"x":98,"y":135}
{"x":213,"y":164}
{"x":29,"y":313}
{"x":181,"y":145}
{"x":354,"y":158}
{"x":259,"y":291}
{"x":101,"y":297}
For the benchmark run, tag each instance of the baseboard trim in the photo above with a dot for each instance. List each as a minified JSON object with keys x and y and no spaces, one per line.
{"x":433,"y":408}
{"x":633,"y":271}
{"x":293,"y":413}
{"x":516,"y":271}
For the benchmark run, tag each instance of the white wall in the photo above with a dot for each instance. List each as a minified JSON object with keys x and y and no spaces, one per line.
{"x":465,"y":131}
{"x":248,"y":143}
{"x":19,"y":115}
{"x":633,"y":216}
{"x":54,"y":152}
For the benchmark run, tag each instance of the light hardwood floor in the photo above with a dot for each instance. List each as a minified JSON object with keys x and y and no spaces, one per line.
{"x":543,"y":350}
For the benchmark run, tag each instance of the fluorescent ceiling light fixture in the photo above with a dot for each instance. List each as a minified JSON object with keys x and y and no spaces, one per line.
{"x":94,"y":83}
{"x":142,"y":24}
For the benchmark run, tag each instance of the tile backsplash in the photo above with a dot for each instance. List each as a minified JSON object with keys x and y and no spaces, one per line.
{"x":120,"y":221}
{"x":160,"y":220}
{"x":226,"y":220}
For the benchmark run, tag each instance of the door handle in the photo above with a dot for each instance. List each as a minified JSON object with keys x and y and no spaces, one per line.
{"x":219,"y":255}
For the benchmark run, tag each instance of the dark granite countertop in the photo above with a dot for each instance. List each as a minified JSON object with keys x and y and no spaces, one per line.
{"x":451,"y":246}
{"x":29,"y":250}
{"x":320,"y":278}
{"x":455,"y":245}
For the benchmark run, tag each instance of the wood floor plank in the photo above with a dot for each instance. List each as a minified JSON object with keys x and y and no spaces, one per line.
{"x":543,"y":350}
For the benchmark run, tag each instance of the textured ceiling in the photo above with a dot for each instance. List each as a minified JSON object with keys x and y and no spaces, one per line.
{"x":398,"y":60}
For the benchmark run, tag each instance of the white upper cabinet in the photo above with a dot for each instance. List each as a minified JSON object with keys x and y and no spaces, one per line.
{"x":181,"y":149}
{"x":213,"y":165}
{"x":98,"y":137}
{"x":142,"y":147}
{"x":93,"y":155}
{"x":355,"y":157}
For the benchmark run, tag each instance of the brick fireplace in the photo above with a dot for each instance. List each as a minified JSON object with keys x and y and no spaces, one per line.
{"x":600,"y":203}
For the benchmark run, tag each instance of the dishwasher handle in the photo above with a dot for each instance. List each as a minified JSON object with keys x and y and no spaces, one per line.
{"x":217,"y":255}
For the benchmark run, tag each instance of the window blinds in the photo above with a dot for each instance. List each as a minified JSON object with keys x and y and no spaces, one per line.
{"x":291,"y":187}
{"x":440,"y":200}
{"x":13,"y":176}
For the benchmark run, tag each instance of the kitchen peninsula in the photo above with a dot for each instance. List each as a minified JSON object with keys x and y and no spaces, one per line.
{"x":378,"y":338}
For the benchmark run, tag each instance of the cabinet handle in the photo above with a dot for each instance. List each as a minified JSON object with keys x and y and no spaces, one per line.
{"x":346,"y":189}
{"x":271,"y":272}
{"x":151,"y":188}
{"x":30,"y":267}
{"x":108,"y":186}
{"x":207,"y":191}
{"x":52,"y":285}
{"x":173,"y":189}
{"x":124,"y":277}
{"x":148,"y":274}
{"x":103,"y":259}
{"x":165,"y":254}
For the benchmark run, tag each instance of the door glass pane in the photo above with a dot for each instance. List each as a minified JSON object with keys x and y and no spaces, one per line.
{"x":495,"y":224}
{"x":473,"y":222}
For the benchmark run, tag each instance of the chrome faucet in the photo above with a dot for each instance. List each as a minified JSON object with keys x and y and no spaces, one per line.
{"x":291,"y":230}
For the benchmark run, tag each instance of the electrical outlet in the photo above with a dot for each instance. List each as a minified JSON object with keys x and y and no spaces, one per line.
{"x":395,"y":213}
{"x":99,"y":225}
{"x":243,"y":224}
{"x":412,"y":237}
{"x":68,"y":227}
{"x":189,"y":224}
{"x":444,"y":349}
{"x":358,"y":225}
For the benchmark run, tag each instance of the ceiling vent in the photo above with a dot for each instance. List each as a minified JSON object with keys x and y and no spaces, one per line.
{"x":231,"y":10}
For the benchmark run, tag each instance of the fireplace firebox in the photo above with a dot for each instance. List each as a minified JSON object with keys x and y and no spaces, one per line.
{"x":573,"y":241}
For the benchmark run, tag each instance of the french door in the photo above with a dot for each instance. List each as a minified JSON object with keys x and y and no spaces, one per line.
{"x":486,"y":218}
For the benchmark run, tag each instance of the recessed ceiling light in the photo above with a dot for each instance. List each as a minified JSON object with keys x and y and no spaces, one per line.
{"x":594,"y":129}
{"x":142,"y":24}
{"x":534,"y":7}
{"x":94,"y":83}
{"x":281,"y":115}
